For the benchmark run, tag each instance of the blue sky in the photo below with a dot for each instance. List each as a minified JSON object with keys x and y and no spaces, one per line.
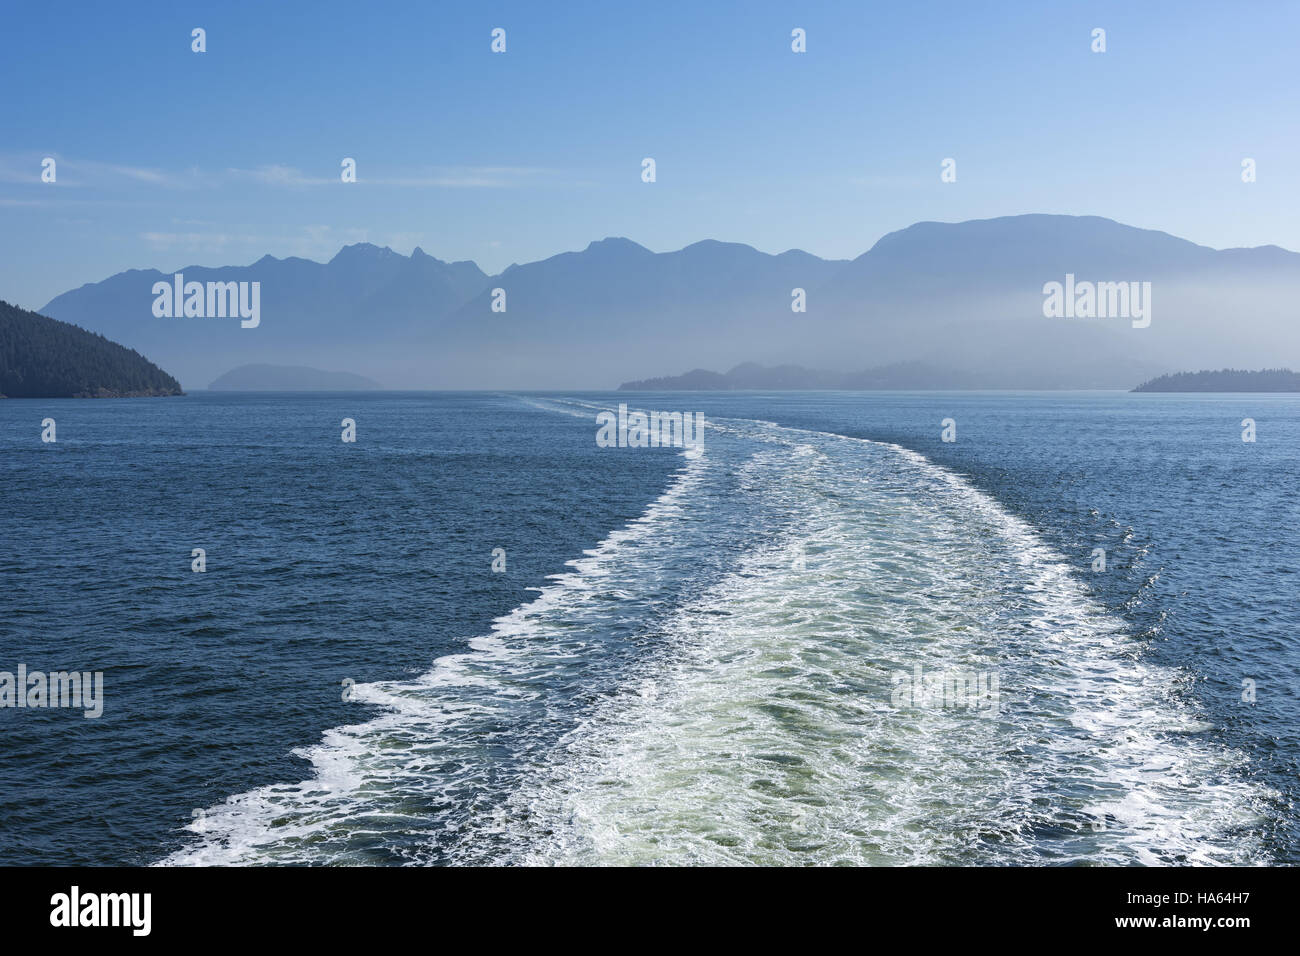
{"x":168,"y":157}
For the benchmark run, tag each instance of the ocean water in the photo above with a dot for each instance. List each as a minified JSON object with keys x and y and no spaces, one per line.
{"x":691,"y":656}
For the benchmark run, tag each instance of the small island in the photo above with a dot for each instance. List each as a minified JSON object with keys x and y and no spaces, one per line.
{"x":42,"y":357}
{"x":1225,"y":380}
{"x":751,"y":376}
{"x":290,"y":378}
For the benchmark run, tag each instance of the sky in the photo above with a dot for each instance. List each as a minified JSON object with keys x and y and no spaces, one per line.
{"x":166,"y":157}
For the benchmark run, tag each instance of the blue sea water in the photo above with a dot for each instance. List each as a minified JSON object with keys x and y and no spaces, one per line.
{"x":689,"y":657}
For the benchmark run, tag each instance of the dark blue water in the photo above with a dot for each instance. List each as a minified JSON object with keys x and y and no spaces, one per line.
{"x":325,"y":561}
{"x":329,"y":561}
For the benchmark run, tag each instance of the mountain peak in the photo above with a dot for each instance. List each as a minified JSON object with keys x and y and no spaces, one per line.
{"x":718,"y":244}
{"x":362,"y":251}
{"x":616,"y":244}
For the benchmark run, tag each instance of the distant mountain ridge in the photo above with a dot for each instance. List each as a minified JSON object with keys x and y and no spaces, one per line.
{"x":42,"y":357}
{"x":290,"y":378}
{"x":967,"y":297}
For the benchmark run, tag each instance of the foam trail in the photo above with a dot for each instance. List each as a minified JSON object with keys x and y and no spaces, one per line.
{"x":775,"y":736}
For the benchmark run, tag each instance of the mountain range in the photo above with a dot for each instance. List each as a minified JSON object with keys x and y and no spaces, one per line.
{"x":966,"y":297}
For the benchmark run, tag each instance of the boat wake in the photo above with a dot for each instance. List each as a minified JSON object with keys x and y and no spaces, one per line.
{"x":734,"y":676}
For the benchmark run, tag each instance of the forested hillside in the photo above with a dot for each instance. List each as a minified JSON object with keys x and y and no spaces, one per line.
{"x":1225,"y":380}
{"x":41,"y":357}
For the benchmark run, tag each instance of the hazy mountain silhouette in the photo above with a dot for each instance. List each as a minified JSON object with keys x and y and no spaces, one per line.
{"x":965,"y":297}
{"x":364,"y":303}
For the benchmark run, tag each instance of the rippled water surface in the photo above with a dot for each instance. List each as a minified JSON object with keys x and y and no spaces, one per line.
{"x":691,"y":657}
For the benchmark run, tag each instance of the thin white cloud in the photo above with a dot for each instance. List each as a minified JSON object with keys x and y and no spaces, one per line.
{"x":25,"y":168}
{"x":154,"y":177}
{"x":467,"y":177}
{"x":441,"y":177}
{"x":276,"y":174}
